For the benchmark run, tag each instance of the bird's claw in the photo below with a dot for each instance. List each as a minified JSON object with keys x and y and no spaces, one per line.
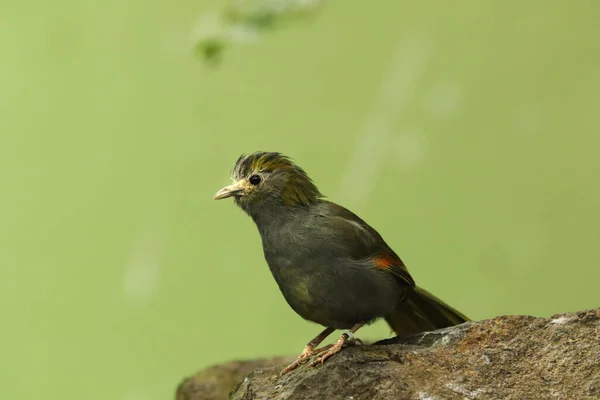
{"x":292,"y":366}
{"x":302,"y":359}
{"x":346,"y":339}
{"x":320,"y":359}
{"x":322,"y":353}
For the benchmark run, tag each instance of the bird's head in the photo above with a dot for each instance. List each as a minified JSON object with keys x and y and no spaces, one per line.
{"x":264,"y":179}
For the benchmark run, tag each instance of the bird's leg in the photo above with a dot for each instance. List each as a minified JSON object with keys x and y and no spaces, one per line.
{"x":344,"y":340}
{"x":309,"y":350}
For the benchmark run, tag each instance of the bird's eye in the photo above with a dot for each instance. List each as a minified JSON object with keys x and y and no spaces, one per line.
{"x":254,"y":179}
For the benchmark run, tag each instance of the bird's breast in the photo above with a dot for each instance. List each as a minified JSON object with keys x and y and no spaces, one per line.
{"x":323,"y":284}
{"x":296,"y":279}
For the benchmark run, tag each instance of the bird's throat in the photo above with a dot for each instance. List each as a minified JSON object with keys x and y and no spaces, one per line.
{"x":271,"y":217}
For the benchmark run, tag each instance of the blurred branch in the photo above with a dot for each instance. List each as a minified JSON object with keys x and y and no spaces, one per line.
{"x":244,"y":21}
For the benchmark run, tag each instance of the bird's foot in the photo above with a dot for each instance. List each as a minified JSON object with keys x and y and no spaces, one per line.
{"x":347,"y":339}
{"x":302,"y":358}
{"x":309,"y":350}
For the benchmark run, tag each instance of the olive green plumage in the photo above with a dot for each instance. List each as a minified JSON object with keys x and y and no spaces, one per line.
{"x":297,"y":187}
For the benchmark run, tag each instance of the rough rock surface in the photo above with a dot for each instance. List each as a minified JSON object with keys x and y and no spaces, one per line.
{"x":510,"y":357}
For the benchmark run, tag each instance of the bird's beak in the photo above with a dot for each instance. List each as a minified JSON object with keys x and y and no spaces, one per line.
{"x":232,"y":190}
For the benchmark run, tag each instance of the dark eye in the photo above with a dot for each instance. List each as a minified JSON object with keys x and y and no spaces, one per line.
{"x":255,"y":179}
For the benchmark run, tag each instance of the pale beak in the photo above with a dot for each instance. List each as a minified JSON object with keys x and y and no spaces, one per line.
{"x":232,"y":190}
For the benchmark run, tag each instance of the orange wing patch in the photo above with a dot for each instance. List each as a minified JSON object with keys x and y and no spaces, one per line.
{"x":389,"y":263}
{"x":385,"y":262}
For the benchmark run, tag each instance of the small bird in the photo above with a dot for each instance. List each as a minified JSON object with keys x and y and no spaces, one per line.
{"x":331,"y":266}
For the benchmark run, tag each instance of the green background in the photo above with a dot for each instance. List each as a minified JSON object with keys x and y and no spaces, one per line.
{"x":466,"y":132}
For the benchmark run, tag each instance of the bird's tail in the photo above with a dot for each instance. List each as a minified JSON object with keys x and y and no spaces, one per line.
{"x":421,"y":311}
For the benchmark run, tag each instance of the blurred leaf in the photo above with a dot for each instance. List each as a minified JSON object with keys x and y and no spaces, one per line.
{"x":244,"y":21}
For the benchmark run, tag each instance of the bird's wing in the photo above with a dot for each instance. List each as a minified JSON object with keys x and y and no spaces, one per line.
{"x":362,"y":242}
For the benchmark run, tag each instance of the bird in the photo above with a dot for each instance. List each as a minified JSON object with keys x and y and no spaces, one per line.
{"x":332,"y":267}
